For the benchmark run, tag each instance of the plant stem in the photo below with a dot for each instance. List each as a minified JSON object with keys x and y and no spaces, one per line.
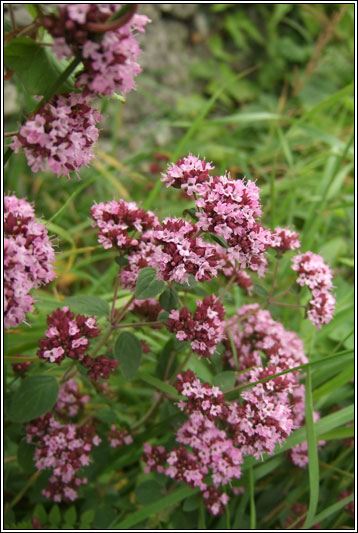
{"x":169,"y":364}
{"x":25,"y":488}
{"x":116,"y":287}
{"x":124,"y":309}
{"x":70,"y":373}
{"x":149,"y":413}
{"x":228,"y":286}
{"x":103,"y":341}
{"x":60,"y":80}
{"x":139,"y":324}
{"x":281,"y":304}
{"x":10,"y":133}
{"x":180,"y":368}
{"x":274,"y":279}
{"x":12,"y":16}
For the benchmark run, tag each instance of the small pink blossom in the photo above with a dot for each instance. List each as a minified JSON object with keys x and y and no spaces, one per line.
{"x":62,"y":133}
{"x":28,"y":259}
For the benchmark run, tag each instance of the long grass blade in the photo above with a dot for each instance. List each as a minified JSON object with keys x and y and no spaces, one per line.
{"x":313,"y":465}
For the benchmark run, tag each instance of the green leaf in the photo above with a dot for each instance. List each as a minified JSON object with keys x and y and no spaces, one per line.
{"x":191,"y":503}
{"x":86,"y":519}
{"x":148,"y":492}
{"x":25,"y":457}
{"x":35,"y":396}
{"x":54,"y":517}
{"x":35,"y":65}
{"x":163,"y":316}
{"x":169,"y":299}
{"x":159,"y":384}
{"x":260,"y":290}
{"x":191,"y":212}
{"x":106,"y":415}
{"x":220,"y":240}
{"x":128,"y":352}
{"x":87,"y":304}
{"x":341,"y":379}
{"x":70,"y":517}
{"x":338,"y":433}
{"x":121,"y":260}
{"x":40,"y":513}
{"x":154,"y":508}
{"x":147,"y":285}
{"x":225,"y":380}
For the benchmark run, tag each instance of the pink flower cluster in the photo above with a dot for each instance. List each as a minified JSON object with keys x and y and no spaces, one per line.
{"x":69,"y":335}
{"x":117,"y":437}
{"x":264,"y":418}
{"x":203,"y":398}
{"x":62,"y":132}
{"x":70,"y":401}
{"x":64,"y":449}
{"x":109,"y":57}
{"x":20,"y":369}
{"x":317,"y":276}
{"x":254,"y":332}
{"x":252,"y":427}
{"x":139,"y":257}
{"x":284,"y":239}
{"x":204,"y":328}
{"x":116,"y":220}
{"x":99,"y":367}
{"x":182,"y":253}
{"x":230,"y":208}
{"x":189,"y":174}
{"x":28,"y":259}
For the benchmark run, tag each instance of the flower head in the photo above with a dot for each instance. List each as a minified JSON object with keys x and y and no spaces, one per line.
{"x":62,"y":133}
{"x":28,"y":259}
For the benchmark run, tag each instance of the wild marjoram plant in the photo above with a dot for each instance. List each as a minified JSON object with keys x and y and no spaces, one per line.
{"x":159,"y":263}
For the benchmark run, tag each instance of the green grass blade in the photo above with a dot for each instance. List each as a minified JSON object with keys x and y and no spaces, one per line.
{"x":158,"y":384}
{"x":72,"y":197}
{"x":154,"y":508}
{"x":338,"y":433}
{"x":64,"y":234}
{"x":313,"y":465}
{"x":341,"y":379}
{"x":328,"y":512}
{"x":252,"y":498}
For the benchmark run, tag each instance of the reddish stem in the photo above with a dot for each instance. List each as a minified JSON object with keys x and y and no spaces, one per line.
{"x":98,"y":27}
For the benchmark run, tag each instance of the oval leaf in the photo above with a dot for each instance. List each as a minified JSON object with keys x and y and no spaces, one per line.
{"x":147,"y":285}
{"x":90,"y":305}
{"x":35,"y":396}
{"x":169,"y":299}
{"x":25,"y":457}
{"x":128,"y":352}
{"x":35,"y":65}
